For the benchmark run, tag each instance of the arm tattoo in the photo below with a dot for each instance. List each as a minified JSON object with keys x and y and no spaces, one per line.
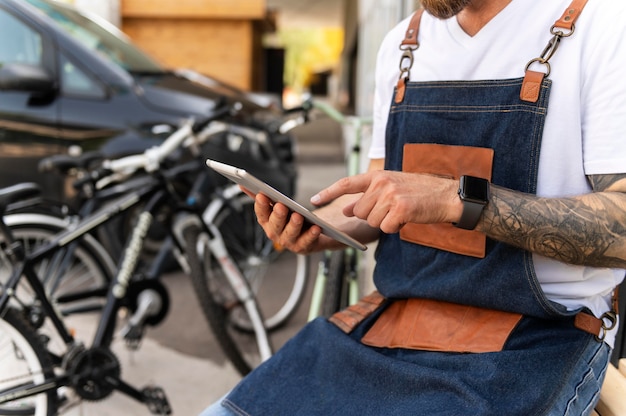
{"x":586,"y":230}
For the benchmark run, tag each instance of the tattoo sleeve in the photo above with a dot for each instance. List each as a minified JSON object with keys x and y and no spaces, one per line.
{"x":585,"y":230}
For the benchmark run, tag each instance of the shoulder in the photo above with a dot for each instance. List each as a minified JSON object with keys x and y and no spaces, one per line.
{"x":603,"y":16}
{"x":394,"y":37}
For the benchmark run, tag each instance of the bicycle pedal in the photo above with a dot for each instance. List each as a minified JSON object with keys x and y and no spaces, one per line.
{"x":132,"y":334}
{"x":156,"y":400}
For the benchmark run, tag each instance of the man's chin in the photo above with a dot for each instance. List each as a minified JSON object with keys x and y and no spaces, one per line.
{"x":444,"y":9}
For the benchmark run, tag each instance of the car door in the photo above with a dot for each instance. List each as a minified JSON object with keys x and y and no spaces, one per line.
{"x":28,"y":121}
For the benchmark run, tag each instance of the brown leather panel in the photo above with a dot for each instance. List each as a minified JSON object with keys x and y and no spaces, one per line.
{"x":531,"y":87}
{"x":353,"y":315}
{"x":400,"y":90}
{"x":432,"y":325}
{"x":448,"y":161}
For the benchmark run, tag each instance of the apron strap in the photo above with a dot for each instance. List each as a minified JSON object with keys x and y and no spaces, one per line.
{"x":570,"y":15}
{"x":408,"y":45}
{"x":562,"y":28}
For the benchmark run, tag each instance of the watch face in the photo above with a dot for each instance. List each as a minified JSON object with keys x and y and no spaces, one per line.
{"x":475,"y":189}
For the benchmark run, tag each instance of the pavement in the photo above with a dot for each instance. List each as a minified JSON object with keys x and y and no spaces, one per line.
{"x":181,"y":355}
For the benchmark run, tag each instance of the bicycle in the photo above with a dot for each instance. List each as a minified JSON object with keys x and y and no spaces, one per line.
{"x":93,"y":372}
{"x":337,"y":279}
{"x":226,"y":206}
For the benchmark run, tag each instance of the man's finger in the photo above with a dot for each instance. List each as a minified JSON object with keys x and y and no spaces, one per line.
{"x":349,"y":185}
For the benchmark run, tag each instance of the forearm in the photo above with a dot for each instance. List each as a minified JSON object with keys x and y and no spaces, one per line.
{"x":587,"y":230}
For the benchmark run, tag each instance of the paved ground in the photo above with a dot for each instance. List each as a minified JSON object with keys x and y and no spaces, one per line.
{"x":181,"y":354}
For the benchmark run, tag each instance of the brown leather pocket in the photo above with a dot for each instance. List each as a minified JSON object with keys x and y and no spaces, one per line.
{"x":451,"y":162}
{"x":431,"y":325}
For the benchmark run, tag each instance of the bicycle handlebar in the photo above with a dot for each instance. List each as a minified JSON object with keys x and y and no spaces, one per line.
{"x":150,"y":160}
{"x":310,"y":104}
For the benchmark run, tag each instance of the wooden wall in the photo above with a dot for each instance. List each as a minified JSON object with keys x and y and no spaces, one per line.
{"x":219,"y":38}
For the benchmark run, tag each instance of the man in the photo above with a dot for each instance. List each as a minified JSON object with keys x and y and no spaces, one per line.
{"x":501,"y":221}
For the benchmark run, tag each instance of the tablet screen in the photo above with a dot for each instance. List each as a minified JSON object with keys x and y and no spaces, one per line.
{"x":248,"y":181}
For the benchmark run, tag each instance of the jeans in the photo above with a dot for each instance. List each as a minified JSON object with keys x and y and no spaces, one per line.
{"x":582,"y":394}
{"x":216,"y":409}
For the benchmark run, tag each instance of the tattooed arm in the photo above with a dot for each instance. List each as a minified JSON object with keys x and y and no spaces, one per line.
{"x":586,"y":230}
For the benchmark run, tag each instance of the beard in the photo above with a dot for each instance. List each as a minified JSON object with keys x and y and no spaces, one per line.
{"x":444,"y":9}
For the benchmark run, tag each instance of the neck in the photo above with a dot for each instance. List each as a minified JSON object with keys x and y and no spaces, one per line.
{"x":478,"y":13}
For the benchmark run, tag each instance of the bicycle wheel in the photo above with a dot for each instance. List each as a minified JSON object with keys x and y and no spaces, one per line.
{"x":335,"y":290}
{"x":23,"y":360}
{"x":222,"y":307}
{"x":78,"y":281}
{"x":278,"y":277}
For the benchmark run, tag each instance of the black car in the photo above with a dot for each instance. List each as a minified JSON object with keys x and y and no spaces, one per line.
{"x":71,"y":84}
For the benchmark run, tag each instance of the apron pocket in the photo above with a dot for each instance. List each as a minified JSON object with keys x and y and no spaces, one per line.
{"x":431,"y":325}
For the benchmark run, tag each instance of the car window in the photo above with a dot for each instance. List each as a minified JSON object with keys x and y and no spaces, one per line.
{"x":20,"y":43}
{"x":74,"y":81}
{"x":99,"y":36}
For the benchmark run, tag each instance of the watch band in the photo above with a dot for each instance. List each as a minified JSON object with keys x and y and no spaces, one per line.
{"x":470,"y":216}
{"x":474,"y":193}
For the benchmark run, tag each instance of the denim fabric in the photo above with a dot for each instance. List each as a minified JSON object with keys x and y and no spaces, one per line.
{"x":582,"y":393}
{"x":216,"y":409}
{"x":470,"y":113}
{"x":324,"y":372}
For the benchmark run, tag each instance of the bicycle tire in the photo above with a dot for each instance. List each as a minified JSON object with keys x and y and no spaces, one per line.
{"x":24,"y":360}
{"x":242,"y":348}
{"x":91,"y":269}
{"x":334,"y":297}
{"x":278,"y":277}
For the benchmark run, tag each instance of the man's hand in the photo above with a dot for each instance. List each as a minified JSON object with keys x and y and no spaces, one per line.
{"x":285,"y":227}
{"x":389,"y":199}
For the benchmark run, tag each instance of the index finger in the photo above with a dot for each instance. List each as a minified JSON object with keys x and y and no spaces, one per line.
{"x":348,"y":185}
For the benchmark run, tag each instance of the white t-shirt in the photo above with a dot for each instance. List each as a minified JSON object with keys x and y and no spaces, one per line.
{"x":588,"y":90}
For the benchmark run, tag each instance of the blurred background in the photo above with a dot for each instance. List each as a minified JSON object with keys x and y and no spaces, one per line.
{"x":282,"y":47}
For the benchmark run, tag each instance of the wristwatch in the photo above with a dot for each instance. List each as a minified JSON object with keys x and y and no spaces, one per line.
{"x":474,"y":193}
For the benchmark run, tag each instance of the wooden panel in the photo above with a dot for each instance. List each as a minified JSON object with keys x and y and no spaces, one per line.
{"x":218,"y":48}
{"x":201,"y":9}
{"x":612,"y":396}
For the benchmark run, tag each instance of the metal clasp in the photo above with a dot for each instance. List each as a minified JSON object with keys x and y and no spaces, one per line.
{"x":407,"y":54}
{"x":611,"y":317}
{"x":551,"y":47}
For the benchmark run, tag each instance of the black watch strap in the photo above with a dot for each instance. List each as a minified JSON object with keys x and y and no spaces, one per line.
{"x":471,"y":215}
{"x":474,"y":193}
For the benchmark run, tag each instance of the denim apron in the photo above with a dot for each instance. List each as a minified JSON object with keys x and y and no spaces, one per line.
{"x":323,"y":371}
{"x":470,"y":113}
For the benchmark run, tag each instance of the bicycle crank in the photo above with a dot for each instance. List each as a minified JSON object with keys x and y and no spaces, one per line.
{"x":91,"y":371}
{"x":149,"y":303}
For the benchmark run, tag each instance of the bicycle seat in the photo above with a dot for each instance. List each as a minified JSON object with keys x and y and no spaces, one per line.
{"x":64,"y":163}
{"x":17,"y":192}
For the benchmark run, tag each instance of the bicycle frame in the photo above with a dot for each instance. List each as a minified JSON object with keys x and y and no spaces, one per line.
{"x":158,"y":191}
{"x":352,"y":257}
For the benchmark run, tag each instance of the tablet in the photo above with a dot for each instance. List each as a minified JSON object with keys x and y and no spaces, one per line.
{"x":255,"y":185}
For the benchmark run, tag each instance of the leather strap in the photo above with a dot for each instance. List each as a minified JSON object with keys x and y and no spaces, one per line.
{"x":570,"y":15}
{"x":408,"y":45}
{"x":410,"y":38}
{"x":533,"y":79}
{"x":347,"y":319}
{"x":531,"y":87}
